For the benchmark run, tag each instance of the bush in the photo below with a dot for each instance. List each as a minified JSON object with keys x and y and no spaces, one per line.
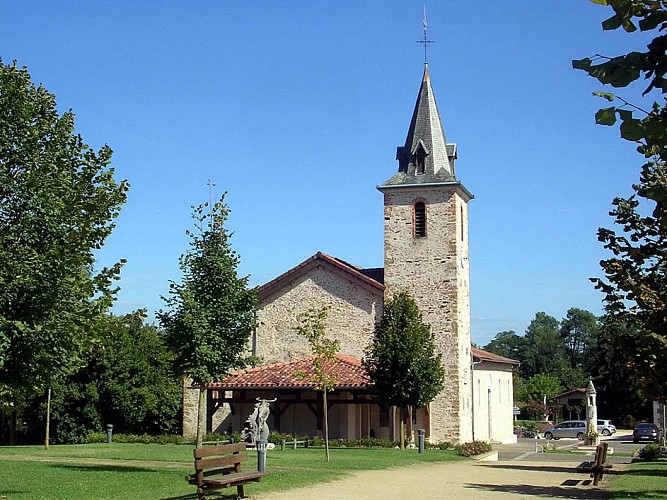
{"x":473,"y":448}
{"x":100,"y":437}
{"x":650,"y":452}
{"x":444,"y":445}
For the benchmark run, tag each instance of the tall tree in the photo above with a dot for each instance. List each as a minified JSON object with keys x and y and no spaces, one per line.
{"x":312,"y":327}
{"x":58,"y":201}
{"x":635,"y":284}
{"x":543,"y":349}
{"x":507,"y":344}
{"x":402,"y":361}
{"x":211,"y":311}
{"x":619,"y":390}
{"x":579,"y":330}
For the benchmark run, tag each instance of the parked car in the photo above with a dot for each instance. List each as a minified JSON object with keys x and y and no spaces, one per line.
{"x":606,"y":428}
{"x":567,"y":429}
{"x":645,"y":432}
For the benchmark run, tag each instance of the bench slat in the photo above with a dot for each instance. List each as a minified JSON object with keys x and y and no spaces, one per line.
{"x":220,"y":461}
{"x":230,"y":479}
{"x":221,"y":449}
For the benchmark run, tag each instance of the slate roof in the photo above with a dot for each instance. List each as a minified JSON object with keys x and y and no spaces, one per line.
{"x":492,"y":358}
{"x":373,"y":277}
{"x":348,"y":371}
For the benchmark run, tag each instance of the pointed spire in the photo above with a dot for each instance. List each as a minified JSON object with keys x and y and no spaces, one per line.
{"x":426,"y":150}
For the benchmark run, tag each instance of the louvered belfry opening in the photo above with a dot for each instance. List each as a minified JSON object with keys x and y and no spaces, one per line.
{"x":420,"y":219}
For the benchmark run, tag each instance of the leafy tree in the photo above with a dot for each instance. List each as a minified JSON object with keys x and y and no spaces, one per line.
{"x":579,"y":331}
{"x":127,"y":381}
{"x":620,"y":392}
{"x":312,"y":327}
{"x":402,"y":361}
{"x":543,"y":349}
{"x":212,"y":311}
{"x":507,"y":344}
{"x":538,"y":386}
{"x":635,"y":284}
{"x":58,"y":200}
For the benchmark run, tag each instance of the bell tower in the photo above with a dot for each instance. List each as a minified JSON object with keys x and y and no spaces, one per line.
{"x":426,"y":254}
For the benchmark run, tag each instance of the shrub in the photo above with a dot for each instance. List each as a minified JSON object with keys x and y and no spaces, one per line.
{"x":650,"y":452}
{"x":473,"y":448}
{"x":444,"y":445}
{"x":96,"y":437}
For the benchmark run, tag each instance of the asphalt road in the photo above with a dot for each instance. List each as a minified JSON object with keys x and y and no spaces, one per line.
{"x":528,"y":449}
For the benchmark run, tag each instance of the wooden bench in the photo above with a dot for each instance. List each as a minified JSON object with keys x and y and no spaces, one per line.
{"x":218,"y":467}
{"x":293,"y":444}
{"x":597,"y":467}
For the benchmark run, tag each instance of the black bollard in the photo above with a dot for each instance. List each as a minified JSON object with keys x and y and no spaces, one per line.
{"x":261,"y":445}
{"x":421,"y":434}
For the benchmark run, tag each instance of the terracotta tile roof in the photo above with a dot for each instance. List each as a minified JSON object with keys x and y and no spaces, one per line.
{"x":371,"y":277}
{"x":349,"y":372}
{"x":492,"y":358}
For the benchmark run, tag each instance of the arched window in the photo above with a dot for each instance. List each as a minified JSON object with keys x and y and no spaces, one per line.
{"x":420,"y":219}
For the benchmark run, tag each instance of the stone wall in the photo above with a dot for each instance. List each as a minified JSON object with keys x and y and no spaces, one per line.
{"x":434,"y":270}
{"x":354,"y":308}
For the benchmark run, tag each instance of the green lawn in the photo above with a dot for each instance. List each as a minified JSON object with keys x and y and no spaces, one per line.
{"x":157,"y":471}
{"x":645,"y":480}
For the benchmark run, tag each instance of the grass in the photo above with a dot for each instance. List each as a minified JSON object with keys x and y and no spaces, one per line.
{"x":645,"y":480}
{"x":157,"y":471}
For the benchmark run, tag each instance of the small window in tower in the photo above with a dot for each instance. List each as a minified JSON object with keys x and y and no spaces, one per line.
{"x":420,"y":219}
{"x":420,"y":160}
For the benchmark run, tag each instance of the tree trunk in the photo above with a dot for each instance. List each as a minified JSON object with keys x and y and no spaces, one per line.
{"x":12,"y":427}
{"x":402,"y":418}
{"x":201,"y":417}
{"x":48,"y":419}
{"x":409,"y":431}
{"x":326,"y":424}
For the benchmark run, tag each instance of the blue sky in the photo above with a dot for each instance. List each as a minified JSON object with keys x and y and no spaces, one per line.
{"x":296,"y":109}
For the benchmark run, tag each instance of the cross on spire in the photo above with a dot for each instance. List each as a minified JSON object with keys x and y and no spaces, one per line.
{"x":425,"y":41}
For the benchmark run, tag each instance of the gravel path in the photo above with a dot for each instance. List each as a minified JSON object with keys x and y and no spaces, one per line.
{"x":458,"y":480}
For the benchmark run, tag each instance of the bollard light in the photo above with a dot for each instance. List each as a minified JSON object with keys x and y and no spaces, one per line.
{"x":261,"y":445}
{"x":109,"y":432}
{"x":421,"y":434}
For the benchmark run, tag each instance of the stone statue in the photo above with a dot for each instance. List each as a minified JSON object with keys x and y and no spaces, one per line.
{"x":255,"y":425}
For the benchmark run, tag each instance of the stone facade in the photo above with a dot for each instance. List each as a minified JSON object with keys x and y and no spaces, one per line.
{"x":354,"y":308}
{"x":434,"y":270}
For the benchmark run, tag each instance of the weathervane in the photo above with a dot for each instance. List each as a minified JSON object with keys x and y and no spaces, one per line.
{"x":425,"y":41}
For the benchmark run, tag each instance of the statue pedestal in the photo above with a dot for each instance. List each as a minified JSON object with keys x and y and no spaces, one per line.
{"x":588,"y":441}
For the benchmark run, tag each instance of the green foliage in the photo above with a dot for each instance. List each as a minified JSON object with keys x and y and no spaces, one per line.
{"x":579,"y":331}
{"x":635,"y":284}
{"x":402,"y":361}
{"x":650,"y":453}
{"x":473,"y":448}
{"x":211,"y":312}
{"x":537,"y":386}
{"x":58,"y":200}
{"x":127,"y":381}
{"x":312,"y":327}
{"x":507,"y":344}
{"x":619,"y":390}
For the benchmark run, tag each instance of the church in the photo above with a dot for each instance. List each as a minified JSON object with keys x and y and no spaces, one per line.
{"x":426,"y":254}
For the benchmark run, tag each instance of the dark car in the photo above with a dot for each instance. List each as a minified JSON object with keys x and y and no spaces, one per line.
{"x":645,"y":432}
